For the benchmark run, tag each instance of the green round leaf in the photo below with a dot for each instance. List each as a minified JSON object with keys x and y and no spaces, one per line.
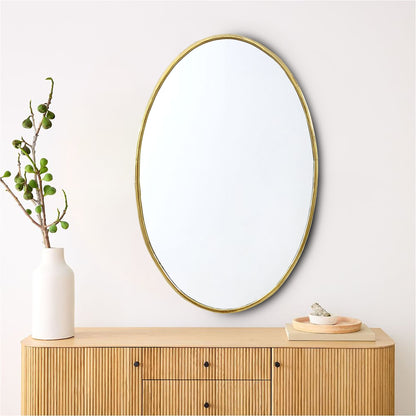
{"x":38,"y":209}
{"x":28,"y":195}
{"x":53,"y":228}
{"x":19,"y":186}
{"x":50,"y":115}
{"x":27,"y":123}
{"x":29,"y":211}
{"x":43,"y":162}
{"x":49,"y":190}
{"x":33,"y":184}
{"x":28,"y":188}
{"x":64,"y":225}
{"x":29,"y":169}
{"x":6,"y":174}
{"x":43,"y":169}
{"x":46,"y":123}
{"x":16,"y":143}
{"x":26,"y":149}
{"x":42,"y":108}
{"x":48,"y":177}
{"x":20,"y":180}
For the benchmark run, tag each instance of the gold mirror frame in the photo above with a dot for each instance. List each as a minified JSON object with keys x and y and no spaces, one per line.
{"x":315,"y":162}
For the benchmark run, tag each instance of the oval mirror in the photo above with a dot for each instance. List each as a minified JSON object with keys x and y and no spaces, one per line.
{"x":226,"y":173}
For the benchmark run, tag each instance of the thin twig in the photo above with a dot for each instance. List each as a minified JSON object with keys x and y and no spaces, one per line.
{"x":35,"y":138}
{"x":60,"y":216}
{"x":27,"y":155}
{"x":19,"y":165}
{"x":33,"y":116}
{"x":18,"y":202}
{"x":25,"y":142}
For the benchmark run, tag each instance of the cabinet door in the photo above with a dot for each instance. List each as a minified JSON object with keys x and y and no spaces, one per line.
{"x":206,"y":397}
{"x":333,"y":381}
{"x":80,"y":381}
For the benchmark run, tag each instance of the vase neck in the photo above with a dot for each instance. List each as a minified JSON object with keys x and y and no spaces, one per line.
{"x":53,"y":255}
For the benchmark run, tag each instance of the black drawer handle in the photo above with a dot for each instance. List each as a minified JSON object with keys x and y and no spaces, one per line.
{"x":206,"y":405}
{"x":277,"y":364}
{"x":136,"y":364}
{"x":206,"y":364}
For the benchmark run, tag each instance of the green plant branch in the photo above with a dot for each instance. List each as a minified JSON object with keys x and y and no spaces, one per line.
{"x":36,"y":182}
{"x":35,"y":137}
{"x":39,"y":191}
{"x":41,"y":215}
{"x":41,"y":197}
{"x":25,"y":142}
{"x":32,"y":161}
{"x":18,"y":202}
{"x":60,"y":216}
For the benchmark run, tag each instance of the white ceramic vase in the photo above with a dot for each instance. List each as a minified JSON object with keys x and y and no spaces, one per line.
{"x":53,"y":297}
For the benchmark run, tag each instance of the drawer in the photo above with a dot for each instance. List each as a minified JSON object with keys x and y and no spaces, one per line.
{"x":206,"y":363}
{"x":206,"y":397}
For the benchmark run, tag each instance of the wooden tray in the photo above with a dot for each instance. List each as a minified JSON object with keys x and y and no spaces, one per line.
{"x":343,"y":326}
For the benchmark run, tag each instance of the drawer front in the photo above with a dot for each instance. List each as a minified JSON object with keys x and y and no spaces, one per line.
{"x":206,"y":363}
{"x":333,"y":381}
{"x":207,"y":397}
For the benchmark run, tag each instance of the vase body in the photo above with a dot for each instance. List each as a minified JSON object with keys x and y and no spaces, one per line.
{"x":53,"y":297}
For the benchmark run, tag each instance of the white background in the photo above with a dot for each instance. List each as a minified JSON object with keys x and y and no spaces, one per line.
{"x":355,"y":64}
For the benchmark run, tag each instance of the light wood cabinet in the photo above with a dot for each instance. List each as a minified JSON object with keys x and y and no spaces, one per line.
{"x":205,"y":371}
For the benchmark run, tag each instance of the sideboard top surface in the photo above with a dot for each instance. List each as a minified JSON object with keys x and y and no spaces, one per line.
{"x":197,"y":337}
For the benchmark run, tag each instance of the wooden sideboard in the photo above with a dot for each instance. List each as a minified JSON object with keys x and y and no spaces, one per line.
{"x":205,"y":371}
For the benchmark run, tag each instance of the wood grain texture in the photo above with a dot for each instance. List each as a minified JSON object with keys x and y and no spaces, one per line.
{"x":187,"y":397}
{"x":223,"y":363}
{"x":196,"y":337}
{"x":313,"y":378}
{"x":80,"y":381}
{"x":343,"y":325}
{"x":333,"y":381}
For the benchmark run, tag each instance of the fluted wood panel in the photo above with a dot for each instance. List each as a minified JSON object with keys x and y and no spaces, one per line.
{"x":333,"y":381}
{"x":135,"y":382}
{"x":80,"y":381}
{"x":187,"y":397}
{"x":325,"y":379}
{"x":223,"y":363}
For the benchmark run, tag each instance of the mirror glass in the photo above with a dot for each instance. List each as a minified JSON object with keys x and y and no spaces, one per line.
{"x":226,"y":173}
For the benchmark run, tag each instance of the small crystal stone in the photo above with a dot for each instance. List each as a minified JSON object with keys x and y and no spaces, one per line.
{"x":318,"y":310}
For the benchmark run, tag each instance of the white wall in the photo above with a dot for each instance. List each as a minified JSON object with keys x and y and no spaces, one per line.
{"x":355,"y":63}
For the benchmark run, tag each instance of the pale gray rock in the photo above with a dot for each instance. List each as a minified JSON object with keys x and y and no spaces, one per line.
{"x":318,"y":310}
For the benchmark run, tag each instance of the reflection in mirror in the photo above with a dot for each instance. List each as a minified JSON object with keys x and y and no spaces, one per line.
{"x":226,"y":173}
